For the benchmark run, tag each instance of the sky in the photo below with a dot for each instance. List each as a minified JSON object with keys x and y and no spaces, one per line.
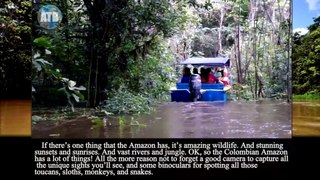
{"x":303,"y":13}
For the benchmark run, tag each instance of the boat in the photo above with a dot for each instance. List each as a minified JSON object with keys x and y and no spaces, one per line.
{"x":209,"y":91}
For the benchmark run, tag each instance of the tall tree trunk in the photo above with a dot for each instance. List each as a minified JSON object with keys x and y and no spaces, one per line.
{"x":239,"y":52}
{"x":247,"y":61}
{"x":237,"y":63}
{"x":222,"y":12}
{"x":237,"y":47}
{"x":102,"y":30}
{"x":96,"y":45}
{"x":289,"y":59}
{"x":255,"y":62}
{"x":254,"y":44}
{"x":260,"y":69}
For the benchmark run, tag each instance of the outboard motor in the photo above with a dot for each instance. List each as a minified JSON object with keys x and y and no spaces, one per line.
{"x":195,"y":86}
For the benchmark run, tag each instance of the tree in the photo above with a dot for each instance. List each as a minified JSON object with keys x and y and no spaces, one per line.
{"x":112,"y":39}
{"x":306,"y":61}
{"x":15,"y":53}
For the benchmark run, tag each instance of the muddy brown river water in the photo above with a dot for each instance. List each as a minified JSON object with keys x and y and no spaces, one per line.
{"x":306,"y":118}
{"x":15,"y":117}
{"x":262,"y":119}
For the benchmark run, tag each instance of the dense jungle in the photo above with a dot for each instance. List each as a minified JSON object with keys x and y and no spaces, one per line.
{"x":306,"y":63}
{"x":121,"y":55}
{"x":118,"y":58}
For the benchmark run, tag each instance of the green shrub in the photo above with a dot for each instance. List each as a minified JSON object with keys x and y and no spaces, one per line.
{"x":124,"y":102}
{"x":313,"y":95}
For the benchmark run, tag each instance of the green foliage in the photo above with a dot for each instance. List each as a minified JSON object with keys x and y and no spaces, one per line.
{"x":313,"y":95}
{"x":42,"y":68}
{"x":71,"y":91}
{"x":122,"y":121}
{"x":98,"y":123}
{"x":15,"y":52}
{"x":123,"y":102}
{"x":256,"y":44}
{"x":305,"y":61}
{"x":124,"y":52}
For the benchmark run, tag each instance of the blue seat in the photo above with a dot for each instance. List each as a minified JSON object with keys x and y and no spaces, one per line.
{"x":182,"y":85}
{"x":180,"y":95}
{"x":214,"y":95}
{"x":212,"y":86}
{"x":212,"y":92}
{"x":203,"y":86}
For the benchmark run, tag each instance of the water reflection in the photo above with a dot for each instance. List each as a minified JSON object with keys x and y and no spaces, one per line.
{"x":306,"y":118}
{"x":263,"y":119}
{"x":15,"y":118}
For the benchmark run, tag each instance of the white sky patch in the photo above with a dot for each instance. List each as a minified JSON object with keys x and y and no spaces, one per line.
{"x":313,"y":5}
{"x":301,"y":31}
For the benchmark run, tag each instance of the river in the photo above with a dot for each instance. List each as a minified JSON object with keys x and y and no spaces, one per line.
{"x":306,"y":118}
{"x":261,"y":119}
{"x":15,"y":117}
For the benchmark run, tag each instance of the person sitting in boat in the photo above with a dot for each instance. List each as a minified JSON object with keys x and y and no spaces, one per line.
{"x":186,"y":75}
{"x":210,"y":75}
{"x":225,"y":78}
{"x":204,"y":76}
{"x":195,"y":85}
{"x":218,"y":75}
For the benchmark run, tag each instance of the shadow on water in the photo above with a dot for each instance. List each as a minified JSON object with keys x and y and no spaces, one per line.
{"x":262,"y":119}
{"x":306,"y":118}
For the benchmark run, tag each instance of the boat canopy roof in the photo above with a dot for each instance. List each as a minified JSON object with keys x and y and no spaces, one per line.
{"x":207,"y":61}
